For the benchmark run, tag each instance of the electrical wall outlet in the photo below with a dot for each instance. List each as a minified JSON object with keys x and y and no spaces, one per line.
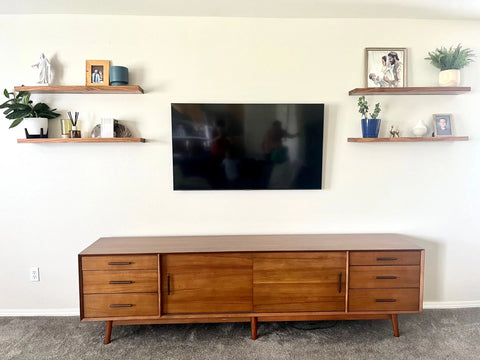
{"x":34,"y":274}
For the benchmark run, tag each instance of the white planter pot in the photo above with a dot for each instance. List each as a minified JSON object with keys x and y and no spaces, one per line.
{"x":449,"y":77}
{"x":34,"y":125}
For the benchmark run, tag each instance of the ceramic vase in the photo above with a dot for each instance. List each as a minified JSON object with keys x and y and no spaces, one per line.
{"x":370,"y":128}
{"x":449,"y":77}
{"x":420,"y":129}
{"x":118,"y":75}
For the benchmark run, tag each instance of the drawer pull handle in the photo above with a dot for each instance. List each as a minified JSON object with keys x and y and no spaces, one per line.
{"x":119,"y":263}
{"x":120,"y":282}
{"x":339,"y":282}
{"x":168,"y":284}
{"x":386,"y":259}
{"x":385,"y":300}
{"x":120,"y":305}
{"x":386,"y":277}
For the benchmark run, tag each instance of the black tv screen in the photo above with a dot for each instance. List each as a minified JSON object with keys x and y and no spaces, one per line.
{"x":247,"y":146}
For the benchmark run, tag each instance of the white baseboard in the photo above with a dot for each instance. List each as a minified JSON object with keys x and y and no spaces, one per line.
{"x":40,"y":312}
{"x":76,"y":311}
{"x":450,"y":304}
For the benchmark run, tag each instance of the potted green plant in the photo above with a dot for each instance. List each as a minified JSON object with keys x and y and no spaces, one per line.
{"x":450,"y":61}
{"x":20,"y":108}
{"x":370,"y":125}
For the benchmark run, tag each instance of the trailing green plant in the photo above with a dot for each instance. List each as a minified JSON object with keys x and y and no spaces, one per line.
{"x":452,"y":58}
{"x":363,"y":108}
{"x":19,"y":106}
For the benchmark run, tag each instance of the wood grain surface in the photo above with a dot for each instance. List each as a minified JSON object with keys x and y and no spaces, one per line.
{"x":409,"y":139}
{"x":81,"y":140}
{"x":81,"y":89}
{"x":206,"y":283}
{"x":120,"y":281}
{"x":380,"y":277}
{"x":384,"y":258}
{"x":382,"y":299}
{"x":104,"y":305}
{"x":299,"y":281}
{"x":248,"y":243}
{"x":413,"y":90}
{"x":120,"y":262}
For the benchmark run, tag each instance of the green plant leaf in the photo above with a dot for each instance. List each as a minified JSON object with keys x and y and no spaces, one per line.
{"x":41,"y":107}
{"x":21,"y":94}
{"x":15,"y":123}
{"x":451,"y":58}
{"x":19,"y":114}
{"x":6,"y":104}
{"x":5,"y":92}
{"x":20,"y":107}
{"x":43,"y":110}
{"x":26,"y":99}
{"x":51,"y":115}
{"x":362,"y":106}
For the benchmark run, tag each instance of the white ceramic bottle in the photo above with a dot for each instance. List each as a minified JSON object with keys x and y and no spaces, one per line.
{"x":420,"y":129}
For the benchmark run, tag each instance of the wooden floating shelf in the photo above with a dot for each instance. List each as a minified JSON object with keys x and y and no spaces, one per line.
{"x":435,"y":90}
{"x":80,"y":140}
{"x":410,"y":139}
{"x":124,"y":89}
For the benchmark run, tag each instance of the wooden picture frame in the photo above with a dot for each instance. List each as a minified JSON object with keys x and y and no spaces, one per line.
{"x":385,"y":67}
{"x":98,"y":73}
{"x":443,"y":125}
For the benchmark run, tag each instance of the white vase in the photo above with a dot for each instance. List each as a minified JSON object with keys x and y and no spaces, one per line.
{"x":449,"y":77}
{"x":34,"y":126}
{"x":420,"y":129}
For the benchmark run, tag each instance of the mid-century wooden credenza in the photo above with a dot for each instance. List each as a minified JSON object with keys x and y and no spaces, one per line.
{"x":250,"y":278}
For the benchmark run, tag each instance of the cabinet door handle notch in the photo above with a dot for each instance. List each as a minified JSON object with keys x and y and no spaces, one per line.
{"x":168,"y":284}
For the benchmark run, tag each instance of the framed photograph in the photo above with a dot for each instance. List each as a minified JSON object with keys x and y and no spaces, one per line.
{"x":386,"y":67}
{"x":98,"y":73}
{"x":443,"y":124}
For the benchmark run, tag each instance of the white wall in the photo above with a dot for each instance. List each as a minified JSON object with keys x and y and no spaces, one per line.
{"x":57,"y":199}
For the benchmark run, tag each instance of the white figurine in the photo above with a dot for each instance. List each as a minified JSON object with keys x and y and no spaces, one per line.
{"x":44,"y":73}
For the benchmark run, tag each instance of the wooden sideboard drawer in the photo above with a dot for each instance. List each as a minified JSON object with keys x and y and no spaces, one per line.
{"x":383,"y":300}
{"x":114,"y":305}
{"x":120,"y":281}
{"x":385,"y":258}
{"x":375,"y":277}
{"x":119,"y":262}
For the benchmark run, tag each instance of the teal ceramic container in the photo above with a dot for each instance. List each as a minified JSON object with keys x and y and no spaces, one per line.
{"x":118,"y":75}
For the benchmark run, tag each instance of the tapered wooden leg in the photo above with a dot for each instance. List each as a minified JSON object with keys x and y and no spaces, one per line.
{"x":396,"y":333}
{"x":108,"y":331}
{"x":253,"y":325}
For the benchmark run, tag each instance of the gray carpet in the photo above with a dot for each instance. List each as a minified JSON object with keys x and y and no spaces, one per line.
{"x":435,"y":334}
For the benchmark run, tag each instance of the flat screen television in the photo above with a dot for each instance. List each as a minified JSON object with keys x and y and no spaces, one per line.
{"x":247,"y":146}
